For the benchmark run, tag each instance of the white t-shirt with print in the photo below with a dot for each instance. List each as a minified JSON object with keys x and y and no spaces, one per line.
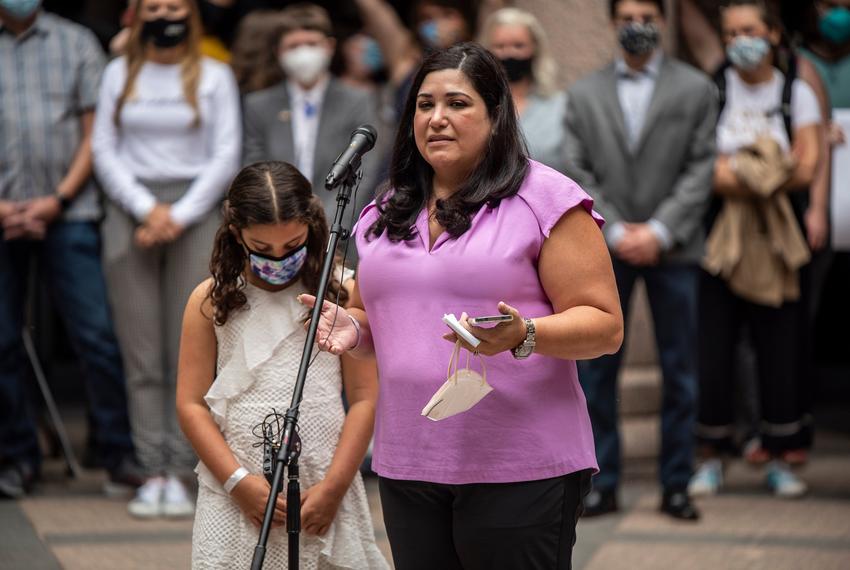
{"x":753,"y":110}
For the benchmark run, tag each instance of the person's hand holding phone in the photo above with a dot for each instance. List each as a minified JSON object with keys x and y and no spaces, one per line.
{"x":504,"y":336}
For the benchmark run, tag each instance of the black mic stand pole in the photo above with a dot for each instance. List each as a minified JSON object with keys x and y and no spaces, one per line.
{"x":290,"y":445}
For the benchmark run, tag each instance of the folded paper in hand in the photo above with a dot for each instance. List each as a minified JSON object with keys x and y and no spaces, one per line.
{"x":460,"y":392}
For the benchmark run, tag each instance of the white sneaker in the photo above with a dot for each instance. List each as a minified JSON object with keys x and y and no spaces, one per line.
{"x":148,"y":501}
{"x":707,"y":480}
{"x":176,"y":502}
{"x":782,"y":481}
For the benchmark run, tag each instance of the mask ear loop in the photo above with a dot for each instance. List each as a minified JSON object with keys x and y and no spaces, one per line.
{"x":483,"y":367}
{"x":454,"y":361}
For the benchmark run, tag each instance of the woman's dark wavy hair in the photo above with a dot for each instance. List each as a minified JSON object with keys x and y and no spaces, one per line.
{"x":266,"y":193}
{"x":499,"y":174}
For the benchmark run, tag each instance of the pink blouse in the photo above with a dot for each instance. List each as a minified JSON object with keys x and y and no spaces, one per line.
{"x":534,"y":425}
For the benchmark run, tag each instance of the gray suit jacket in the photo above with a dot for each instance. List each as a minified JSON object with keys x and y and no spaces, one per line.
{"x":668,"y":176}
{"x":267,"y":132}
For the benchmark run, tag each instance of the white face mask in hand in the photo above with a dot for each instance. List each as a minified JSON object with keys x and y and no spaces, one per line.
{"x":305,"y":64}
{"x":461,"y":391}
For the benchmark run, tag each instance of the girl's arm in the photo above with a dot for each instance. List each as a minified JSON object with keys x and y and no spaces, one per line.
{"x":320,"y":502}
{"x":195,"y":374}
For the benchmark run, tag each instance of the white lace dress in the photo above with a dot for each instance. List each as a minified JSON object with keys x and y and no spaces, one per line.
{"x":259,"y":350}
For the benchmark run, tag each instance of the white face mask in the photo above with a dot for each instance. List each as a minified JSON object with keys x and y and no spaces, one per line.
{"x":305,"y":64}
{"x":460,"y":392}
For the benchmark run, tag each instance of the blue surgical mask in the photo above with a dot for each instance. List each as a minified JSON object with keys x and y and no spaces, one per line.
{"x":746,"y":52}
{"x":373,"y":59}
{"x":430,"y":33}
{"x":278,"y":270}
{"x":20,"y":9}
{"x":835,"y":25}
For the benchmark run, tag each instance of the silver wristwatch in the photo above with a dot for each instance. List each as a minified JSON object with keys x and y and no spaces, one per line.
{"x":525,"y":349}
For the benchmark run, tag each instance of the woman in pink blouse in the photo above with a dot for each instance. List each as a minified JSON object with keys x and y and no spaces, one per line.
{"x":470,"y":225}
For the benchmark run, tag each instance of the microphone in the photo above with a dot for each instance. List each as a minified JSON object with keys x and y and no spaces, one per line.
{"x":362,"y":140}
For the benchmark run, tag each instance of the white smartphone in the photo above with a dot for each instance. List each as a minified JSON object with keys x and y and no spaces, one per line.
{"x":455,"y":325}
{"x":491,"y":319}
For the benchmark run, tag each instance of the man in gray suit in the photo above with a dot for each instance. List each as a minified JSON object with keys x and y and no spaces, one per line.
{"x":307,"y":119}
{"x":640,"y":140}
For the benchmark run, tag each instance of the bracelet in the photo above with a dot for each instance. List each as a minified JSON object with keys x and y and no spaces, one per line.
{"x":356,"y":326}
{"x":234,"y":479}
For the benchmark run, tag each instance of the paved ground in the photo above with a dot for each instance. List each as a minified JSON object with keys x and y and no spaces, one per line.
{"x":70,"y":524}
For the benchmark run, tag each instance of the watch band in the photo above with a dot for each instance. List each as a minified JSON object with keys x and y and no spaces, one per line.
{"x":64,"y":201}
{"x":234,"y":479}
{"x":525,"y":348}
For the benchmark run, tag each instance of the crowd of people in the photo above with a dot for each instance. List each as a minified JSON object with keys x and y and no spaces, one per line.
{"x":164,"y":199}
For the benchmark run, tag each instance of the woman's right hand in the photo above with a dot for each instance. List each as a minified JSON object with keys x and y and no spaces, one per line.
{"x":336,"y":332}
{"x":251,"y":494}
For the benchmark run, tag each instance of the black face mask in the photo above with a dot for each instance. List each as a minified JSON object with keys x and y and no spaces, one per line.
{"x":165,"y":33}
{"x":517,"y":69}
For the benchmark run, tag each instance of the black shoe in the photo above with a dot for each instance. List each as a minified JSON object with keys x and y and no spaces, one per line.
{"x":16,"y":480}
{"x":600,"y":502}
{"x":124,"y":478}
{"x":678,"y":505}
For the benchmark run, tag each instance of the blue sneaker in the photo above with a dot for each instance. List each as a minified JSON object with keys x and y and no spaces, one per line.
{"x":783,"y":482}
{"x":707,"y":480}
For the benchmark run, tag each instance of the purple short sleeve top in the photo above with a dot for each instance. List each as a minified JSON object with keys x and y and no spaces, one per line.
{"x":534,"y":425}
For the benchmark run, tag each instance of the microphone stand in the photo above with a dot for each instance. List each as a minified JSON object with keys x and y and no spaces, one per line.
{"x":290,"y":446}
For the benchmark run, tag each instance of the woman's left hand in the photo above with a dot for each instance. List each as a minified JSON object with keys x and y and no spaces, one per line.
{"x":319,"y":505}
{"x":494,"y":340}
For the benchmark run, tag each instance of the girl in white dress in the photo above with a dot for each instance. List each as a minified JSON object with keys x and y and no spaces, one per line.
{"x":243,"y":334}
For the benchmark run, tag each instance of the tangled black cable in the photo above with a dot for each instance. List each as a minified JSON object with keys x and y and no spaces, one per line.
{"x":269,"y":433}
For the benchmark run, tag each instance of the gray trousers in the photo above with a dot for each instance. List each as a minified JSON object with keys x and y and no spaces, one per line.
{"x":148,"y":289}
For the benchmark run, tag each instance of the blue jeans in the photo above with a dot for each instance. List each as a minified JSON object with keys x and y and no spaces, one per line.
{"x":69,"y":263}
{"x":672,"y":292}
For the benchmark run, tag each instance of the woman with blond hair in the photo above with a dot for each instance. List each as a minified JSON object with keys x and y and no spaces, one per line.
{"x":166,"y":144}
{"x":518,"y":40}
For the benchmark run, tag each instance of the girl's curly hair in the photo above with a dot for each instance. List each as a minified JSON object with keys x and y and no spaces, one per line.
{"x":266,"y":193}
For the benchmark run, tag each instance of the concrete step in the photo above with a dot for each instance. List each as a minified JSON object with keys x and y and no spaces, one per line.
{"x":639,"y":390}
{"x":640,"y":437}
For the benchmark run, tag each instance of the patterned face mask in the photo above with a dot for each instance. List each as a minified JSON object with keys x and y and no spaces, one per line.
{"x":637,"y":38}
{"x":278,"y":270}
{"x":746,"y":52}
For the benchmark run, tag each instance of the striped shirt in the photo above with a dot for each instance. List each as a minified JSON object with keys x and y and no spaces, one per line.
{"x":48,"y":77}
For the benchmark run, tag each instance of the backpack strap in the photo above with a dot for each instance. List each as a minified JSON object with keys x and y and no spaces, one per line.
{"x":787,"y":92}
{"x":720,"y":82}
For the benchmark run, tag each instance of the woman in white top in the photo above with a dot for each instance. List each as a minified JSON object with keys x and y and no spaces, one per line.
{"x":753,"y":111}
{"x":166,"y":144}
{"x":519,"y":41}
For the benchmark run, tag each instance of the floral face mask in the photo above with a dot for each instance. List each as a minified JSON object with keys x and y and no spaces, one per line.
{"x":278,"y":270}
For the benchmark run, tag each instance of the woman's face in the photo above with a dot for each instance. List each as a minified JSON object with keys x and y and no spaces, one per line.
{"x":746,"y":21}
{"x":451,"y":125}
{"x":512,"y":41}
{"x":168,"y":9}
{"x":274,"y":240}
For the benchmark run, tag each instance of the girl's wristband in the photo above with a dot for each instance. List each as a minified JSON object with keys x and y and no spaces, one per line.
{"x":234,"y":479}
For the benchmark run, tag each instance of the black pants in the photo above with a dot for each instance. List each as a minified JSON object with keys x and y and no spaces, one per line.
{"x":776,"y":342}
{"x":529,"y":525}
